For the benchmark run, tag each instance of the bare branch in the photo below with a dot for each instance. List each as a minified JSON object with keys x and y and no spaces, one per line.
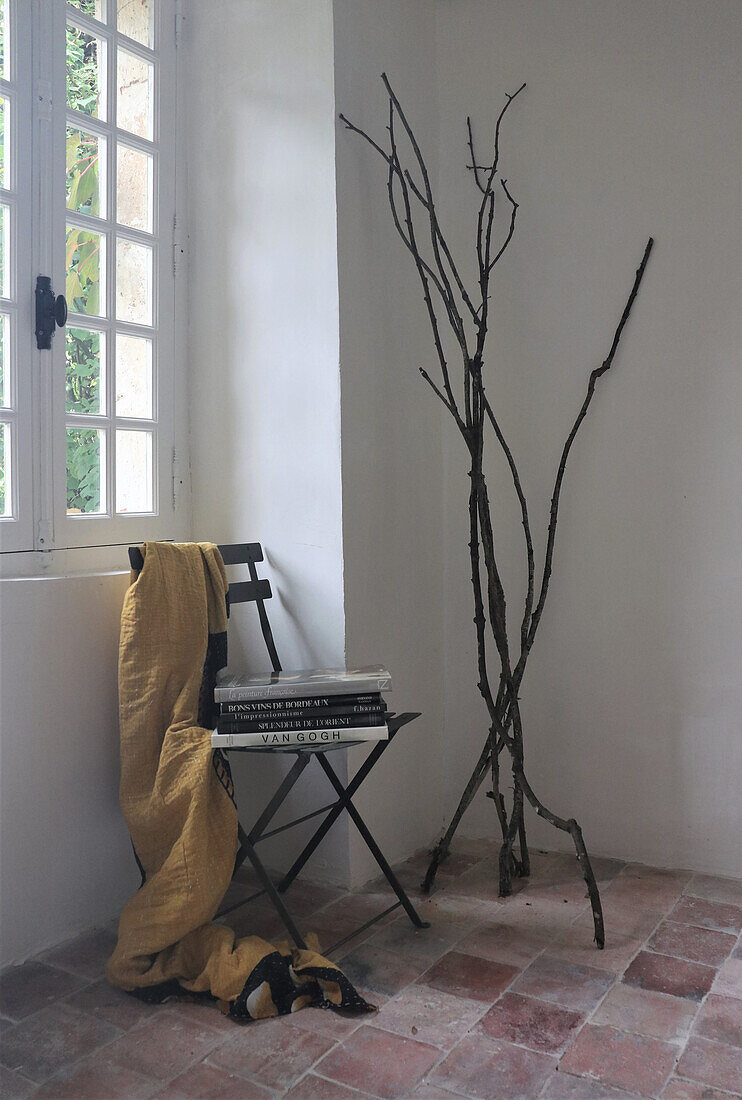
{"x":570,"y":826}
{"x":424,"y":270}
{"x":505,"y":729}
{"x":444,"y":247}
{"x":395,"y":167}
{"x":495,"y":592}
{"x":596,"y":374}
{"x":440,"y":851}
{"x":436,"y":235}
{"x":524,"y":518}
{"x":474,"y":167}
{"x":366,"y":137}
{"x":487,"y":210}
{"x":421,"y":270}
{"x":498,"y":126}
{"x":435,"y":390}
{"x":394,"y":173}
{"x":496,"y":151}
{"x":511,"y":230}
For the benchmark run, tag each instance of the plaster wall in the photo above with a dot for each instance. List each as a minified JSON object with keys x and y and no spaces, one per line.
{"x":391,"y":427}
{"x":628,"y":127}
{"x":65,"y":858}
{"x":263,"y":340}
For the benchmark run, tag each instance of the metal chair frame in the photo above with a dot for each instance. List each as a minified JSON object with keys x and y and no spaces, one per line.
{"x":257,"y":591}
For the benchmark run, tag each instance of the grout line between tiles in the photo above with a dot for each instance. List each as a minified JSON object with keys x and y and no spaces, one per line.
{"x":721,"y":1092}
{"x":313,"y":1072}
{"x":479,"y":921}
{"x":487,"y":1006}
{"x":681,"y":1043}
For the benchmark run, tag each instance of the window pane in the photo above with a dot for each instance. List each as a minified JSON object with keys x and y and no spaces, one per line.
{"x":4,"y":40}
{"x":85,"y":284}
{"x":4,"y":142}
{"x":5,"y":398}
{"x":86,"y":73}
{"x":4,"y":251}
{"x":134,"y":18}
{"x":133,"y":376}
{"x":134,"y":180}
{"x":133,"y":282}
{"x":133,"y":471}
{"x":86,"y":459}
{"x":134,"y":79}
{"x":86,"y":167}
{"x":6,"y":495}
{"x":85,"y":371}
{"x":89,"y":7}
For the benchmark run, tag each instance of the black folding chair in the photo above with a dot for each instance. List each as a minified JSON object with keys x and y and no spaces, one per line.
{"x":257,"y":591}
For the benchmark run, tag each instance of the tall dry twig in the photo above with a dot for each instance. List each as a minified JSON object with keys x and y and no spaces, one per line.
{"x":466,"y":312}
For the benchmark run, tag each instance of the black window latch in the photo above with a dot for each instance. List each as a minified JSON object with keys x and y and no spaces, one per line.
{"x":51,"y":311}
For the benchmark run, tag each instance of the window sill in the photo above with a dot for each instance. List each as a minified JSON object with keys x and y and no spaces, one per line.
{"x":54,"y":564}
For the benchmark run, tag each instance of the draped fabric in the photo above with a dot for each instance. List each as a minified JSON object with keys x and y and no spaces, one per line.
{"x":177,"y":798}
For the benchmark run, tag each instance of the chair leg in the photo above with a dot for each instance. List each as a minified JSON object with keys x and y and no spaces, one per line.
{"x":371,"y":844}
{"x":288,"y":781}
{"x":302,"y":759}
{"x":247,"y":841}
{"x":317,"y":838}
{"x":247,"y":846}
{"x":275,"y":897}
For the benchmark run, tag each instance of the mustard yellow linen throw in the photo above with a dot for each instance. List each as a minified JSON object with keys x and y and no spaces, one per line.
{"x":177,"y":798}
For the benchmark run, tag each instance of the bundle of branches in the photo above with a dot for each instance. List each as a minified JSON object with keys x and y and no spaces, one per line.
{"x":466,"y":313}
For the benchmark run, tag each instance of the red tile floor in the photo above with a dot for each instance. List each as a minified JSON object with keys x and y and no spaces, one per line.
{"x":496,"y":999}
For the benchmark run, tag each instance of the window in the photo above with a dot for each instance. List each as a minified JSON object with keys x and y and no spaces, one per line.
{"x":87,"y":429}
{"x":15,"y":92}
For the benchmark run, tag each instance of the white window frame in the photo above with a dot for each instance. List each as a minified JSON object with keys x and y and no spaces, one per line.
{"x":16,"y":531}
{"x":41,"y":523}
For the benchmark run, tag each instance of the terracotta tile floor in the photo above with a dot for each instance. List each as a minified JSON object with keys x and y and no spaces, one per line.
{"x":502,"y":999}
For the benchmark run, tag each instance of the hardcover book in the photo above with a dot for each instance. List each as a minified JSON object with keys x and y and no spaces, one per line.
{"x":300,"y":722}
{"x":278,"y":739}
{"x":303,"y":683}
{"x":308,"y":704}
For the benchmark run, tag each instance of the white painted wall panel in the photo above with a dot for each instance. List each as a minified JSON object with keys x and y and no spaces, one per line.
{"x":65,"y":858}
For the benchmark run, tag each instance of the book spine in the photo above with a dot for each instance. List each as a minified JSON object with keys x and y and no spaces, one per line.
{"x":374,"y":684}
{"x":310,"y":704}
{"x":306,"y":737}
{"x":311,"y":716}
{"x":300,"y":722}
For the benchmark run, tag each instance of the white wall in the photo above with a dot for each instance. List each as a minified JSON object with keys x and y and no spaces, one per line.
{"x":263,"y":341}
{"x":391,"y":426}
{"x":628,"y":126}
{"x":358,"y":564}
{"x":65,"y":858}
{"x":633,"y":693}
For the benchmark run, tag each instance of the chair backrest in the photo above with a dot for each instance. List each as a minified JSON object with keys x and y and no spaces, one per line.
{"x":255,"y":590}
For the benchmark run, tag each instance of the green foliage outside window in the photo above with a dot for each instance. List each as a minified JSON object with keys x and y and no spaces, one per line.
{"x":83,"y":470}
{"x":83,"y":263}
{"x":82,"y":172}
{"x":82,"y":68}
{"x":83,"y":396}
{"x":83,"y":371}
{"x":83,"y":347}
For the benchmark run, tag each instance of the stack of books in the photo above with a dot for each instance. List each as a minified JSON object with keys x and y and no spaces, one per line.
{"x":308,"y":707}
